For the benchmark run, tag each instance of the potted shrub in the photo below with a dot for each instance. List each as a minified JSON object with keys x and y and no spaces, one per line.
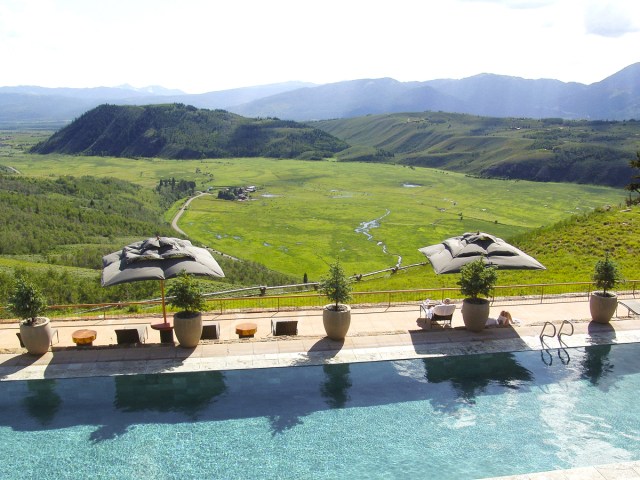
{"x":336,"y":316}
{"x":603,"y":303}
{"x":476,"y":279}
{"x":186,"y":295}
{"x":28,"y":304}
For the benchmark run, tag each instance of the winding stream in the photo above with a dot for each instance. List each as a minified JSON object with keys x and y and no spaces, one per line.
{"x":366,"y":227}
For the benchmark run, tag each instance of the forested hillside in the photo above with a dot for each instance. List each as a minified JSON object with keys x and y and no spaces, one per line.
{"x":39,"y":215}
{"x":56,"y":230}
{"x":547,"y":150}
{"x":178,"y":131}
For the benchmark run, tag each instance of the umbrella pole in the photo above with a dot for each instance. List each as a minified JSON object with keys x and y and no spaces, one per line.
{"x":164,"y":307}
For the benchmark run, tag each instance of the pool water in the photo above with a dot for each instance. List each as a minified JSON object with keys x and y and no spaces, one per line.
{"x":449,"y":417}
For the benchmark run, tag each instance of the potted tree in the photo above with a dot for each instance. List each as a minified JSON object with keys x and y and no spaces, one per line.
{"x":186,"y":295}
{"x":336,"y":316}
{"x":28,"y":304}
{"x":476,"y":279}
{"x":603,"y":304}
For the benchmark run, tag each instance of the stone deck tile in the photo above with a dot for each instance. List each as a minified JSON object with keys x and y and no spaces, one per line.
{"x":244,"y":347}
{"x":214,"y":350}
{"x":290,"y":345}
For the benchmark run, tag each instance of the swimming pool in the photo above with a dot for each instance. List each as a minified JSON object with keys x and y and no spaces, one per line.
{"x":449,"y":417}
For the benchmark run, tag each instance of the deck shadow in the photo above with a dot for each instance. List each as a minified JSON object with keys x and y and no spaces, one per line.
{"x":323,"y":349}
{"x":601,"y":332}
{"x":459,"y":341}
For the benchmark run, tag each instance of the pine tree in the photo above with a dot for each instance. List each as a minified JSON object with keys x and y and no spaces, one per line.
{"x":634,"y":186}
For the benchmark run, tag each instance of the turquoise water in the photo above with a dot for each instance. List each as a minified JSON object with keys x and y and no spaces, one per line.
{"x":455,"y":417}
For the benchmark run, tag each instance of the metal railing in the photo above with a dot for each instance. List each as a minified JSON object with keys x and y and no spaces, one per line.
{"x":257,"y":299}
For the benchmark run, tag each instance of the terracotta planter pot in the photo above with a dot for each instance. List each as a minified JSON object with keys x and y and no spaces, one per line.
{"x":475,"y":315}
{"x":188,"y":329}
{"x":36,"y":337}
{"x":336,"y":322}
{"x":602,"y":308}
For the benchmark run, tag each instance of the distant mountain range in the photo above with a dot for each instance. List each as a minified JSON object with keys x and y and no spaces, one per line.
{"x":615,"y":98}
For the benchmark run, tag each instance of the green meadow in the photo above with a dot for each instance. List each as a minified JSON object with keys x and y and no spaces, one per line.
{"x":306,"y":214}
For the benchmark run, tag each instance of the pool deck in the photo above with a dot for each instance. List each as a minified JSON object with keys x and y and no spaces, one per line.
{"x":376,"y":333}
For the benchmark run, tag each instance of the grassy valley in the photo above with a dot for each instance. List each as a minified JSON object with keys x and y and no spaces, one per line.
{"x":595,"y":152}
{"x":305,"y":214}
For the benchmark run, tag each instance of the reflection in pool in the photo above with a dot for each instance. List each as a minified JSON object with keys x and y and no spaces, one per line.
{"x":447,"y":417}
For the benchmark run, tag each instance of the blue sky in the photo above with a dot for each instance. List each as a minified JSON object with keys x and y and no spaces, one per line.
{"x":207,"y":45}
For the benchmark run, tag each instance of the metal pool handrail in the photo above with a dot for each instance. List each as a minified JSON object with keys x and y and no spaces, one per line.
{"x":560,"y":332}
{"x":542,"y":334}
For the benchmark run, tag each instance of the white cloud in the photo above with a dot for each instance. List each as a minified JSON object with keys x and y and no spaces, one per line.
{"x":517,"y":4}
{"x":202,"y":45}
{"x":612,"y":19}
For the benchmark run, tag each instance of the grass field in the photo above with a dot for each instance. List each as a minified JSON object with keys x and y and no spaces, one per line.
{"x":306,"y":214}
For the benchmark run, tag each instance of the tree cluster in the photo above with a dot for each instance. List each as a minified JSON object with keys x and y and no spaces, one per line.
{"x":231,"y":193}
{"x":171,"y":190}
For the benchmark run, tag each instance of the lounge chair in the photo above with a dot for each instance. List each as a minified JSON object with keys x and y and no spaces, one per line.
{"x":210,"y":331}
{"x":131,"y":335}
{"x":284,"y":327}
{"x":442,"y":313}
{"x":631,"y":306}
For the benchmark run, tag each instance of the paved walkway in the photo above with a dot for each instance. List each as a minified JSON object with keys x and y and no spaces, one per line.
{"x":381,"y":333}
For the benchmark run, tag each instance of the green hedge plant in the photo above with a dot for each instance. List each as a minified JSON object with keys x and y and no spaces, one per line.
{"x":606,"y":275}
{"x":186,"y":295}
{"x":477,"y":279}
{"x":26,"y":301}
{"x":336,"y":285}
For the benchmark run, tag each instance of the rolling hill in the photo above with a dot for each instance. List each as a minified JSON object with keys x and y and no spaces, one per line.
{"x":178,"y":131}
{"x":590,"y":152}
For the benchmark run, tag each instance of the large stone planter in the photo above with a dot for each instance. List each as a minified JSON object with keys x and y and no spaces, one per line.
{"x":474,"y":314}
{"x":188,"y":328}
{"x":336,"y":322}
{"x":36,"y":337}
{"x":602,"y":307}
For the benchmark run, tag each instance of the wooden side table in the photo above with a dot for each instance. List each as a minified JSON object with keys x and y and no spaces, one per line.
{"x":246,"y":330}
{"x":84,"y":337}
{"x":166,"y":332}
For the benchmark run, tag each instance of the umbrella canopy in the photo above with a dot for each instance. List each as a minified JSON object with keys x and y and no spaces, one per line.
{"x":454,"y":253}
{"x":157,"y":258}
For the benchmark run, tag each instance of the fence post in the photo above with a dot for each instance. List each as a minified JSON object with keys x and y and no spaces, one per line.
{"x":541,"y":293}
